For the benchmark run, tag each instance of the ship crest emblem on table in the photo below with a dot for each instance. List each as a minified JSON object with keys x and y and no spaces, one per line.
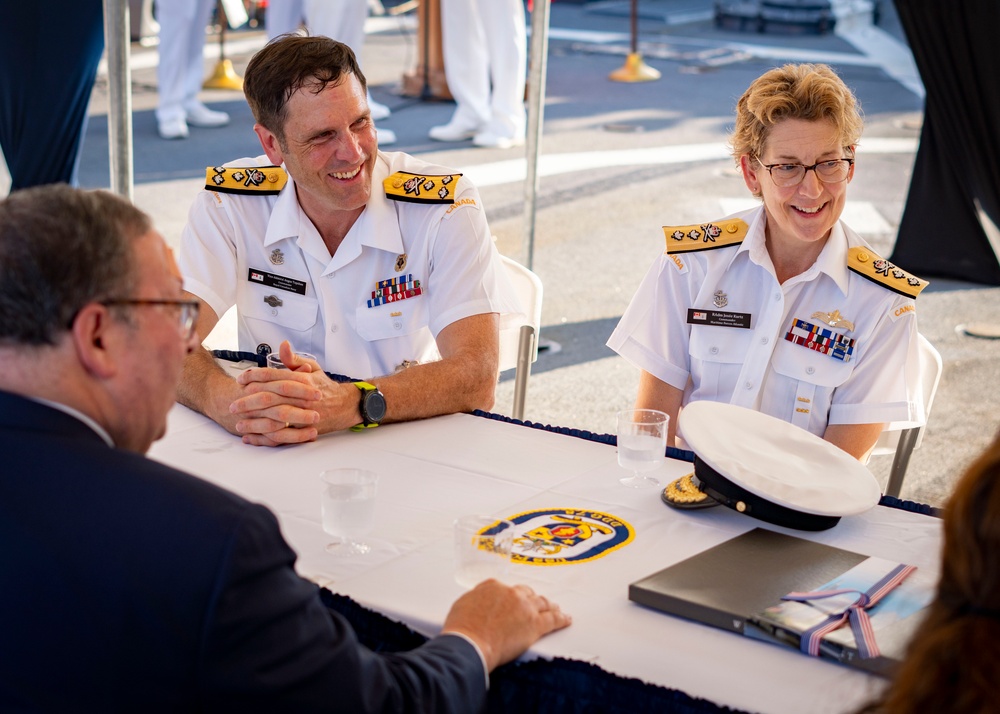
{"x":562,"y":536}
{"x":553,"y":537}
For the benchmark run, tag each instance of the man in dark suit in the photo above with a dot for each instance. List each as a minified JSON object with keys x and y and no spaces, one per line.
{"x":128,"y":585}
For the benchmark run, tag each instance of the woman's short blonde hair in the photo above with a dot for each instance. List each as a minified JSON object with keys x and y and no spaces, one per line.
{"x":795,"y":91}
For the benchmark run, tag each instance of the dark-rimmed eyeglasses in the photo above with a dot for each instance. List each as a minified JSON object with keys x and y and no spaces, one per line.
{"x":187,"y":311}
{"x":788,"y":175}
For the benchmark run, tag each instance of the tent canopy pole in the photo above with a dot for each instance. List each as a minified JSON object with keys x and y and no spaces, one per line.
{"x":117,"y":37}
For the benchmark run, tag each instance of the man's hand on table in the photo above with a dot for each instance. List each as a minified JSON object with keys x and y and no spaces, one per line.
{"x":288,"y":406}
{"x":503,"y":621}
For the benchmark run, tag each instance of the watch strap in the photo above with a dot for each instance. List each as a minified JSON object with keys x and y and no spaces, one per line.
{"x":364,"y":387}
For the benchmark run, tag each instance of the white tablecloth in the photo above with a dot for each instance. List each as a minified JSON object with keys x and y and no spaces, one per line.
{"x":435,"y":470}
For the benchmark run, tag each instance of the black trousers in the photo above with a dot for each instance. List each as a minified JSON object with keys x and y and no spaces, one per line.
{"x":49,"y":52}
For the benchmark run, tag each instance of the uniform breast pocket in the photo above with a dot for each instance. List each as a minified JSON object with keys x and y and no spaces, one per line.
{"x":285,"y":310}
{"x":397,"y":319}
{"x":805,"y":365}
{"x":717,"y":356}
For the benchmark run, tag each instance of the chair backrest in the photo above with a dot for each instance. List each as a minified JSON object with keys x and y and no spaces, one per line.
{"x":519,"y":341}
{"x":528,"y":288}
{"x":930,"y":375}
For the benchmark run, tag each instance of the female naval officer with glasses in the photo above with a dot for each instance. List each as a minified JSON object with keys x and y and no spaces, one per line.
{"x":782,"y":308}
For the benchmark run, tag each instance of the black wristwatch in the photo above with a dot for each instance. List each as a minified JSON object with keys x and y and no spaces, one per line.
{"x":372,"y":406}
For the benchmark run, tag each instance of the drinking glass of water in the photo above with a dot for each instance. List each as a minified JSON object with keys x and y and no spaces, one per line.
{"x":642,"y":443}
{"x":348,"y":506}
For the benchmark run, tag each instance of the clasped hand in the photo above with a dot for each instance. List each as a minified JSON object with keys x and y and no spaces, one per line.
{"x":294,"y":405}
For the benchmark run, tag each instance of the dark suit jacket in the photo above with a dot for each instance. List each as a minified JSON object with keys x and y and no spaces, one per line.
{"x":126,"y":585}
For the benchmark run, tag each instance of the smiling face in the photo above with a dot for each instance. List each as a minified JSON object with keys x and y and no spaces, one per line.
{"x":329,"y":147}
{"x":799,"y":218}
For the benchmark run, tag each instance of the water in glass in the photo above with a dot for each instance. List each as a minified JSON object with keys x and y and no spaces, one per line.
{"x":642,"y":441}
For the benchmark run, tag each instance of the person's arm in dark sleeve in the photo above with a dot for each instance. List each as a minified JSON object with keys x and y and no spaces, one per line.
{"x":270,"y":645}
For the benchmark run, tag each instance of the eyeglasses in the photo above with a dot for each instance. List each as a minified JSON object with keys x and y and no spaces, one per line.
{"x":788,"y":175}
{"x":187,"y":312}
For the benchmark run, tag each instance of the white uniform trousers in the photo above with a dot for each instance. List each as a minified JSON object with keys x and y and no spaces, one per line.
{"x":484,"y":43}
{"x":181,"y":70}
{"x":341,"y":20}
{"x":283,"y":17}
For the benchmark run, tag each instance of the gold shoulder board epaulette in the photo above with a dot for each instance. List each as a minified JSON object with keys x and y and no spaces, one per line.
{"x":254,"y":180}
{"x":705,"y":236}
{"x":421,"y":188}
{"x":869,"y":265}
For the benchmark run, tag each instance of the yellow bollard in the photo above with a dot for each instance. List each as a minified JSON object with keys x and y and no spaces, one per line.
{"x":224,"y":77}
{"x":634,"y":70}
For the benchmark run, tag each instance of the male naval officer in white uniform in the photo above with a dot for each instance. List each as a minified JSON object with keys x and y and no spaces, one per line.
{"x":378,"y":264}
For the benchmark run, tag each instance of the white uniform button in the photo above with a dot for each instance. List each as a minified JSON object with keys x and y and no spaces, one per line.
{"x":748,"y":385}
{"x":397,"y":324}
{"x":714,"y":350}
{"x":334,"y":328}
{"x":777,"y":296}
{"x":810,"y":370}
{"x":274,"y":313}
{"x":764,"y":340}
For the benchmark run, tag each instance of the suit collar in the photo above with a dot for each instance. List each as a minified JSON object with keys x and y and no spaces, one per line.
{"x":19,"y":413}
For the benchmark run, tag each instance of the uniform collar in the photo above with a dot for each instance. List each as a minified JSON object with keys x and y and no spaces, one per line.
{"x":832,"y":260}
{"x":289,"y":222}
{"x":284,"y":220}
{"x":377,"y":226}
{"x":382,"y":223}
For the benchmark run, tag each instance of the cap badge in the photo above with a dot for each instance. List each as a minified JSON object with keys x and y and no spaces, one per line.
{"x":277,"y":257}
{"x":684,"y":493}
{"x":401,"y":262}
{"x":720,"y":299}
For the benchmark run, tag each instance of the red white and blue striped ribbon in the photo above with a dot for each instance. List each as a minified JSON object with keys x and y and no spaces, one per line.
{"x":821,"y":340}
{"x":856,"y":613}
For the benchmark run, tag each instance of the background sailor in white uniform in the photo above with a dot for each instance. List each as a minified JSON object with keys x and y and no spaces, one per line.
{"x":485,"y":60}
{"x":181,"y":69}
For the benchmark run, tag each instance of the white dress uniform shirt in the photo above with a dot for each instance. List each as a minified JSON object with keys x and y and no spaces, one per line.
{"x":236,"y":248}
{"x":758,"y":367}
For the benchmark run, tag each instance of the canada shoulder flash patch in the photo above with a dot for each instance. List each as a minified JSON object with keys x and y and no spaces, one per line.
{"x":247,"y":180}
{"x":421,"y":188}
{"x":705,"y":236}
{"x":868,"y":264}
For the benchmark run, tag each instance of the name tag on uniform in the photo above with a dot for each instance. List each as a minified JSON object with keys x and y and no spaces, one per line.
{"x":279,"y":282}
{"x":718,"y":318}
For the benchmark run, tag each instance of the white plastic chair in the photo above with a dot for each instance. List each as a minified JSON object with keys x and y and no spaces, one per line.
{"x":519,"y":343}
{"x":902,"y":443}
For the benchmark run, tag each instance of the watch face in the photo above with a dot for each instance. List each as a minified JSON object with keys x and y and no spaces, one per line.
{"x":373,"y":407}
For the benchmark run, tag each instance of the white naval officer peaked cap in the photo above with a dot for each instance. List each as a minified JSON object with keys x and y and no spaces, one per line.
{"x":772,"y":470}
